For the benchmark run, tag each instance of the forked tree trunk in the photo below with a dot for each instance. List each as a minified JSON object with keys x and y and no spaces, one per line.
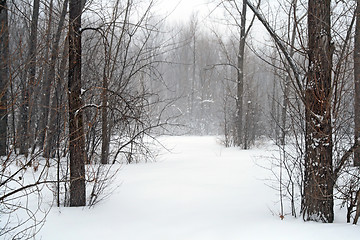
{"x":4,"y":75}
{"x":317,"y":204}
{"x":76,"y":128}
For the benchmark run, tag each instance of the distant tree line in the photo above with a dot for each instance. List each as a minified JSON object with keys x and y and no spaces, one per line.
{"x":85,"y":85}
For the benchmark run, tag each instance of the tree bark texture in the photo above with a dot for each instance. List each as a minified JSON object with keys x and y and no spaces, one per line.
{"x":4,"y":75}
{"x":76,"y":128}
{"x":317,"y":204}
{"x":357,"y":84}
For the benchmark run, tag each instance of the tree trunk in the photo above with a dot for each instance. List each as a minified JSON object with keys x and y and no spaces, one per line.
{"x":4,"y":75}
{"x":30,"y":83}
{"x":357,"y":84}
{"x":49,"y":78}
{"x":357,"y":214}
{"x":317,"y":204}
{"x":76,"y":128}
{"x":287,"y":80}
{"x":104,"y":127}
{"x":54,"y":129}
{"x":240,"y":78}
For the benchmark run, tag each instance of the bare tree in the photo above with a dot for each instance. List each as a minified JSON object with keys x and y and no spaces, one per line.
{"x":49,"y":80}
{"x":357,"y":100}
{"x":318,"y":184}
{"x":76,"y":128}
{"x":30,"y":83}
{"x":4,"y":75}
{"x":357,"y":84}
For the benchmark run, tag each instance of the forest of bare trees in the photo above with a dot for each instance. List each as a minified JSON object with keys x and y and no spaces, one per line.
{"x":86,"y":86}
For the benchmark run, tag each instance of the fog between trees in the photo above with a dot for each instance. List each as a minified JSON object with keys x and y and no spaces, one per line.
{"x":85,"y":85}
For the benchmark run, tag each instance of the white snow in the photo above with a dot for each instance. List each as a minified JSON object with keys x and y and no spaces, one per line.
{"x":201,"y":191}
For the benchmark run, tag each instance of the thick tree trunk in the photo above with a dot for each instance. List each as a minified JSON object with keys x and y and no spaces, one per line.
{"x":357,"y":84}
{"x":30,"y":83}
{"x":76,"y":128}
{"x":317,"y":204}
{"x":240,"y":78}
{"x":4,"y":75}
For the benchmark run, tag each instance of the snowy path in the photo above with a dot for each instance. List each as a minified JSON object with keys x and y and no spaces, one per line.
{"x":199,"y":191}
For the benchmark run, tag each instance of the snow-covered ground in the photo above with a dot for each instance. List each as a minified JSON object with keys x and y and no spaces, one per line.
{"x":199,"y":190}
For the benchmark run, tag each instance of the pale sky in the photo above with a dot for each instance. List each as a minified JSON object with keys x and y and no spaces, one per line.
{"x":181,"y":10}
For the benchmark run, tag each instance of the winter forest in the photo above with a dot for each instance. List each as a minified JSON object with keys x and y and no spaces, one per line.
{"x":203,"y":119}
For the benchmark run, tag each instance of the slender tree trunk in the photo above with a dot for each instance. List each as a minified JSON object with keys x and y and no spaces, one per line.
{"x":56,"y":107}
{"x":44,"y":86}
{"x":247,"y":125}
{"x":287,"y":79}
{"x":317,"y":204}
{"x":30,"y":83}
{"x":274,"y":115}
{"x":49,"y":78}
{"x":357,"y":214}
{"x":104,"y":127}
{"x":192,"y":91}
{"x":357,"y":100}
{"x":4,"y":75}
{"x":240,"y":78}
{"x":76,"y":128}
{"x":357,"y":84}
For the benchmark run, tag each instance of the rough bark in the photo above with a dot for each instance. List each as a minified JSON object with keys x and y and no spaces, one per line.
{"x":31,"y":81}
{"x":317,"y":204}
{"x":357,"y":84}
{"x":4,"y":75}
{"x":76,"y":128}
